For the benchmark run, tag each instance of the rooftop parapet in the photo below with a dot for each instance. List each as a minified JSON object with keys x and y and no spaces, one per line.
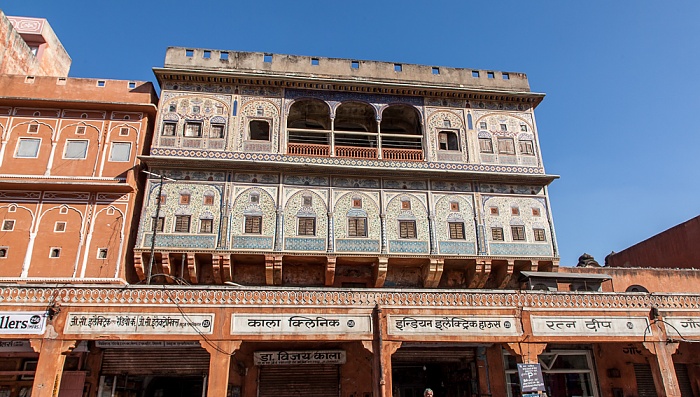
{"x":53,"y":90}
{"x":319,"y":68}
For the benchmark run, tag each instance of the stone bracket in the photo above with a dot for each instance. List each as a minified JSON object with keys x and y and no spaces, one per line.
{"x":505,"y":278}
{"x":330,"y":271}
{"x":165,"y":264}
{"x":273,"y":270}
{"x":380,"y":270}
{"x":192,"y":268}
{"x":526,"y":352}
{"x":483,"y":270}
{"x":432,"y":273}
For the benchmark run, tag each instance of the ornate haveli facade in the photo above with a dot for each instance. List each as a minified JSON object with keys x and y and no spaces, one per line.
{"x":307,"y":226}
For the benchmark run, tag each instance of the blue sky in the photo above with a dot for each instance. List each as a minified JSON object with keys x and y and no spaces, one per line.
{"x":621,"y":77}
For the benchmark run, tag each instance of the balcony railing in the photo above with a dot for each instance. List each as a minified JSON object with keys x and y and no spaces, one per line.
{"x":307,"y":149}
{"x":402,"y":154}
{"x":356,"y":152}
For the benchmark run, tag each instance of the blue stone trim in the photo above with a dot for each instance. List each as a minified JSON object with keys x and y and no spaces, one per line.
{"x":411,"y":247}
{"x":520,"y":249}
{"x":356,"y":245}
{"x":359,"y":163}
{"x":456,"y":248}
{"x":207,"y":241}
{"x":252,"y":242}
{"x":304,"y":244}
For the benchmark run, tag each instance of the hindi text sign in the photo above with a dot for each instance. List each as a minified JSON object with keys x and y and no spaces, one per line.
{"x":453,"y":325}
{"x":139,"y":323}
{"x":588,"y":326}
{"x":301,"y":324}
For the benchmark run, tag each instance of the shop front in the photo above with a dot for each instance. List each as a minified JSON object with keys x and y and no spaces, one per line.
{"x":152,"y":369}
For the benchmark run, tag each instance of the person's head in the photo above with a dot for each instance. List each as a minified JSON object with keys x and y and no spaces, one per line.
{"x":428,"y":392}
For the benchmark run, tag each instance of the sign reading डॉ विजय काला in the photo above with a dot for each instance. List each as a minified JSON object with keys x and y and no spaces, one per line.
{"x":300,"y":324}
{"x":139,"y":323}
{"x":282,"y":357}
{"x":468,"y":325}
{"x":33,"y":323}
{"x":588,"y":326}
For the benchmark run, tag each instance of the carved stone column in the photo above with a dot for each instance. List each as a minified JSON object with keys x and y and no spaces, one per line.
{"x":331,"y":233}
{"x":273,"y":270}
{"x":382,"y":218}
{"x":431,"y":230}
{"x":279,"y":229}
{"x":220,"y":353}
{"x":49,"y":368}
{"x":662,"y":368}
{"x":388,"y":348}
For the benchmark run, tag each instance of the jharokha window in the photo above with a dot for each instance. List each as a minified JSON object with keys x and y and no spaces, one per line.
{"x":182,"y":224}
{"x":253,"y":224}
{"x":357,"y":227}
{"x":497,"y":234}
{"x":307,"y":227}
{"x":193,"y":129}
{"x":518,"y":233}
{"x":407,"y":229}
{"x":456,"y":230}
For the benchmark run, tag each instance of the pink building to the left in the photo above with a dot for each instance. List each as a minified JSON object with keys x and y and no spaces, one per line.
{"x":69,"y":168}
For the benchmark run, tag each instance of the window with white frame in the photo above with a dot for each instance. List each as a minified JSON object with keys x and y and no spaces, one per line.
{"x":8,"y":225}
{"x":565,"y":373}
{"x":76,"y":150}
{"x":206,"y":225}
{"x":121,"y":151}
{"x":169,"y":129}
{"x":448,"y":140}
{"x":193,"y":129}
{"x":485,"y":145}
{"x":526,"y":147}
{"x":506,"y":146}
{"x":456,"y":230}
{"x":182,"y":223}
{"x":216,"y":131}
{"x":28,"y":147}
{"x":102,"y":253}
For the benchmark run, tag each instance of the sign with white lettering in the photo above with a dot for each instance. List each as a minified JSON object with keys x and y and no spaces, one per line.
{"x":451,"y":325}
{"x":299,"y":357}
{"x":588,"y":326}
{"x":683,"y":326}
{"x":138,"y":323}
{"x":300,"y":324}
{"x":530,"y":378}
{"x":33,"y":323}
{"x":131,"y":344}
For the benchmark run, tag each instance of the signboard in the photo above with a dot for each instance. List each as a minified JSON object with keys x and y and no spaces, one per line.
{"x":530,"y":378}
{"x":131,"y":344}
{"x":448,"y":325}
{"x":588,"y":326}
{"x":299,"y":357}
{"x":138,"y":323}
{"x":683,"y":326}
{"x":300,"y":324}
{"x":33,"y":323}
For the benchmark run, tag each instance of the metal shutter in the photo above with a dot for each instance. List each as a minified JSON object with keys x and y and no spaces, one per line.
{"x":190,"y":361}
{"x":645,"y":381}
{"x":683,"y":380}
{"x":299,"y":380}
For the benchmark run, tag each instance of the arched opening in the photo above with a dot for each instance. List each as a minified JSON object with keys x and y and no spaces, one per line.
{"x":636,"y":288}
{"x":401,"y":133}
{"x":355,"y":131}
{"x":309,"y":128}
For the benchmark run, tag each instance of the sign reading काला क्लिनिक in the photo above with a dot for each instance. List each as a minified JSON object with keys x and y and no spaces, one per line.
{"x":282,"y":357}
{"x":301,"y":324}
{"x":588,"y":326}
{"x":452,"y":325}
{"x":530,"y":378}
{"x":33,"y":323}
{"x":139,"y":323}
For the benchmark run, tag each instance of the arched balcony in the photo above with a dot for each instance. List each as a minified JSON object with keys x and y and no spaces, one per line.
{"x":354,"y":132}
